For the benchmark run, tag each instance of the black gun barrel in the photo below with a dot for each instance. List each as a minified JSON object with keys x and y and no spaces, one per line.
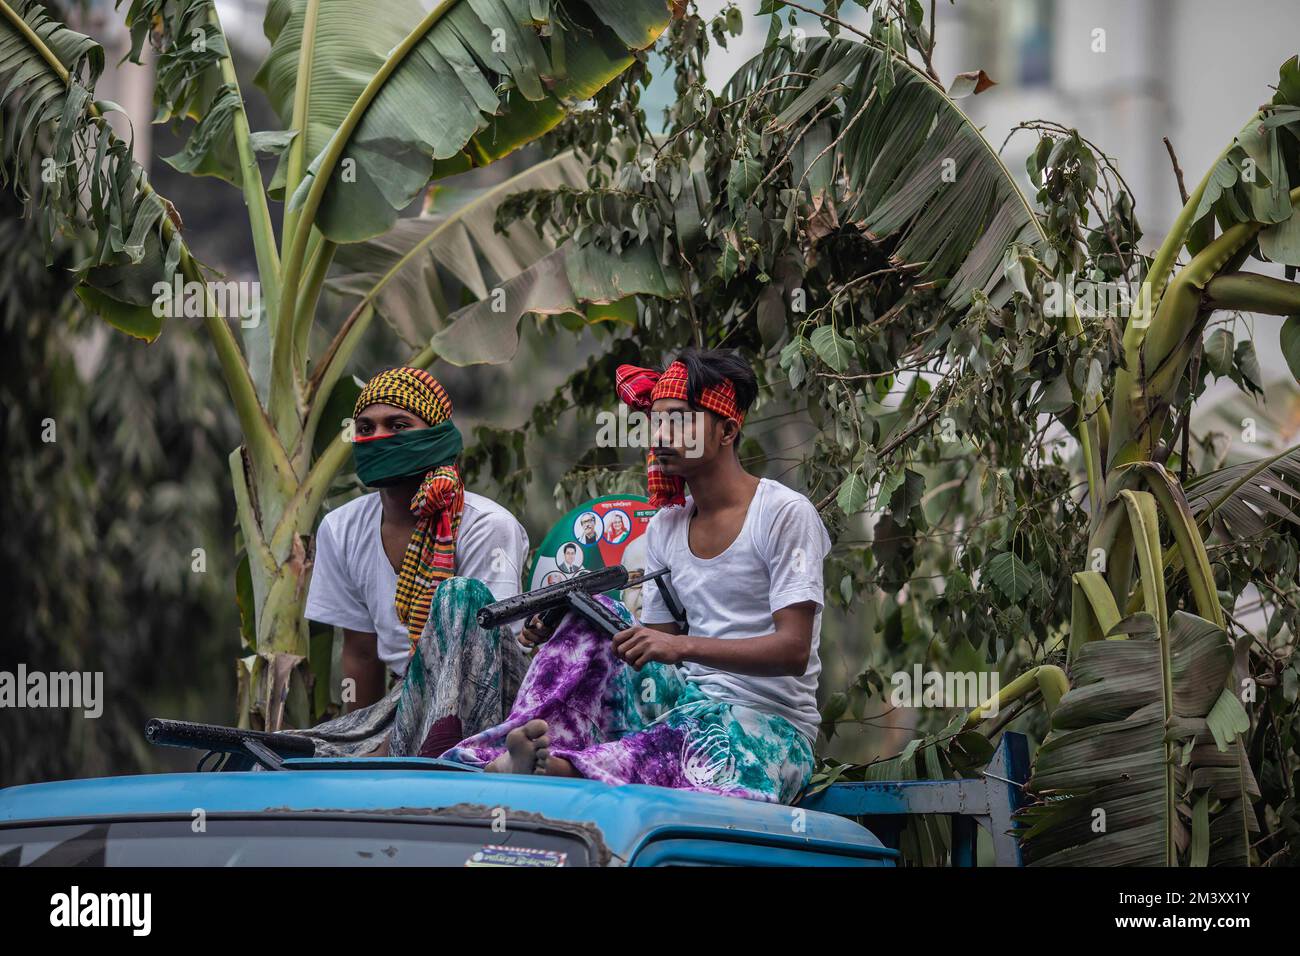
{"x":533,"y":602}
{"x":538,"y":601}
{"x":182,"y":733}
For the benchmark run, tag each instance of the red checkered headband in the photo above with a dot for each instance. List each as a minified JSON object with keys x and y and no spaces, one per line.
{"x":639,"y":388}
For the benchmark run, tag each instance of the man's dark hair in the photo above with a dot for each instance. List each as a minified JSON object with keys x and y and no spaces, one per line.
{"x":708,"y":367}
{"x":570,"y":547}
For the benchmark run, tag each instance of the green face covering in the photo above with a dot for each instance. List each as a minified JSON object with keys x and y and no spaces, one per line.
{"x":405,"y":454}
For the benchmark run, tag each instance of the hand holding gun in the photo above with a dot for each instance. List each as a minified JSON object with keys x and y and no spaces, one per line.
{"x":545,"y":607}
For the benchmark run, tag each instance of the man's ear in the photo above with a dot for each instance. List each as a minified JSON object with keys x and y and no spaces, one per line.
{"x":730,"y":432}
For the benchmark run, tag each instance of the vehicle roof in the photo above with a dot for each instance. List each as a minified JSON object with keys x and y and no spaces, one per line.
{"x":626,"y":816}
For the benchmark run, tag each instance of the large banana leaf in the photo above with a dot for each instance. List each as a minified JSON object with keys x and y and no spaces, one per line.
{"x":59,"y":155}
{"x":188,"y":85}
{"x":1251,"y":499}
{"x":508,"y":274}
{"x":407,"y":271}
{"x":48,"y":71}
{"x":1102,"y":776}
{"x":349,"y":43}
{"x":906,"y":162}
{"x":464,"y":84}
{"x":575,"y":280}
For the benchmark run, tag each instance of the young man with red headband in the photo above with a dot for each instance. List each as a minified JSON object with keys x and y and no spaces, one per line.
{"x":726,"y":704}
{"x":404,"y":570}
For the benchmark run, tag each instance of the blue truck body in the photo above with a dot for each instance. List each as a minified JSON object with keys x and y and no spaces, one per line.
{"x":419,"y":811}
{"x":627,"y":825}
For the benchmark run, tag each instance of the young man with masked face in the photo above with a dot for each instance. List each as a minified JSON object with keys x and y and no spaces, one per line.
{"x":416,"y":557}
{"x":728,"y":703}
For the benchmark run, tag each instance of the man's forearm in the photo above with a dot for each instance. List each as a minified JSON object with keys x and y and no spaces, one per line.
{"x":770,"y":655}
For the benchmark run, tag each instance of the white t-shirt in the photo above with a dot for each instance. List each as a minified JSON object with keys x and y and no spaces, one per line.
{"x":775,"y":561}
{"x":353,"y":585}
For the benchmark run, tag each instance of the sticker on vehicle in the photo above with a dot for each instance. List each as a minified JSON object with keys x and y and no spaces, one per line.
{"x":493,"y":855}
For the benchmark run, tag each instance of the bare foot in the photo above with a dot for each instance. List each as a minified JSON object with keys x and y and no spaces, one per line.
{"x":527,"y":750}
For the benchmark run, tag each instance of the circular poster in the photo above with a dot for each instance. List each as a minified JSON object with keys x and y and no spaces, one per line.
{"x":596,"y":534}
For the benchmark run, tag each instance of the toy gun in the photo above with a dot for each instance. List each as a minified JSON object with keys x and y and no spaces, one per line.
{"x":578,"y":594}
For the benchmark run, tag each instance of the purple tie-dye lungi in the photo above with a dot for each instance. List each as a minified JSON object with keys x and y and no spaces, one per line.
{"x":651,"y":726}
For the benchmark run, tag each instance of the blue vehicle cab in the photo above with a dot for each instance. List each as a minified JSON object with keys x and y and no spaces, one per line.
{"x":270,"y":809}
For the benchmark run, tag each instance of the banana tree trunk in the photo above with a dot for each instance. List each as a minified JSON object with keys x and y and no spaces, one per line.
{"x":275,"y":690}
{"x":286,"y":681}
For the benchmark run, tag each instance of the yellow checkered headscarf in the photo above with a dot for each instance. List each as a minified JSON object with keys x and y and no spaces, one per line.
{"x":430,"y":556}
{"x":413,"y":389}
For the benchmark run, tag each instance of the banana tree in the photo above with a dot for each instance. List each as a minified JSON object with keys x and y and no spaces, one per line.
{"x":835,"y":211}
{"x":1205,"y":816}
{"x":1145,"y":763}
{"x":377,"y":99}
